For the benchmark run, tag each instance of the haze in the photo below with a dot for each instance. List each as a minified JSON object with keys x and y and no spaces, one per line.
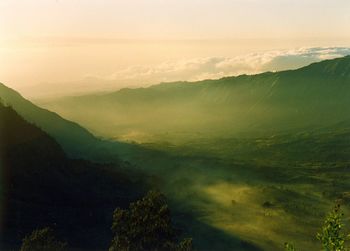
{"x":66,"y":47}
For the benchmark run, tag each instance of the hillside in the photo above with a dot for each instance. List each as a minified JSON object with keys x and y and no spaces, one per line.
{"x":74,"y":139}
{"x":41,"y":186}
{"x":76,"y":197}
{"x":317,"y":95}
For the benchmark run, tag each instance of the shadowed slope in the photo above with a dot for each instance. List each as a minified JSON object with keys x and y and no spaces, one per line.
{"x":41,"y":187}
{"x":73,"y":138}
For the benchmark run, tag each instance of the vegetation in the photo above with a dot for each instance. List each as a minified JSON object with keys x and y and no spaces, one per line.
{"x":42,"y":240}
{"x":332,"y":236}
{"x":146,"y":225}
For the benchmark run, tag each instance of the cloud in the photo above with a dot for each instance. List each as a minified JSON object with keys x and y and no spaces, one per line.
{"x":217,"y":67}
{"x":198,"y":69}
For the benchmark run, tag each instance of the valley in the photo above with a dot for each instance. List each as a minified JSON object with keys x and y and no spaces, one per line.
{"x":247,"y":163}
{"x":261,"y":158}
{"x":174,"y":125}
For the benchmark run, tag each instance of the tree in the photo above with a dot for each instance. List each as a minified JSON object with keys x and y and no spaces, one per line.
{"x":331,"y":235}
{"x":42,"y":240}
{"x":146,"y":225}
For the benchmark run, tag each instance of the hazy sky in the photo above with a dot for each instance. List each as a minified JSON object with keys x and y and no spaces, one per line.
{"x":64,"y":44}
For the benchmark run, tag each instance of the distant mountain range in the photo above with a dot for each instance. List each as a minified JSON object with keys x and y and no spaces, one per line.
{"x":314,"y":96}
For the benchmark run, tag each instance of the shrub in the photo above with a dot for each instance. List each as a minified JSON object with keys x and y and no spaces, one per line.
{"x":146,"y":225}
{"x":331,"y":236}
{"x":42,"y":240}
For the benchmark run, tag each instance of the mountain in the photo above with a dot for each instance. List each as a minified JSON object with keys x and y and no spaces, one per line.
{"x":72,"y":137}
{"x":317,"y":95}
{"x":75,"y":140}
{"x":41,"y":186}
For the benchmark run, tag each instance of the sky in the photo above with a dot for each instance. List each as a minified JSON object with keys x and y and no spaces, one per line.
{"x":62,"y":47}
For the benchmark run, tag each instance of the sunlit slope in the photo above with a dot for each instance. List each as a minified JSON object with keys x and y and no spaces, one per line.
{"x":316,"y":95}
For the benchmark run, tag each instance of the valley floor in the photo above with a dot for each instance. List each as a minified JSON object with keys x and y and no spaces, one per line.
{"x":256,"y":194}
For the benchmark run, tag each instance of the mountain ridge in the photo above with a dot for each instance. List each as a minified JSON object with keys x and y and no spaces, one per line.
{"x":69,"y":134}
{"x":166,"y":84}
{"x":312,"y":96}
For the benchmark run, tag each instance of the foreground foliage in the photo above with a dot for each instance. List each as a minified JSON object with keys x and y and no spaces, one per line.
{"x":331,"y":236}
{"x":146,"y":225}
{"x":42,"y":240}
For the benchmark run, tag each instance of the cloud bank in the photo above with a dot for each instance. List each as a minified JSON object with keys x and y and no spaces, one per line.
{"x":217,"y":67}
{"x":200,"y":68}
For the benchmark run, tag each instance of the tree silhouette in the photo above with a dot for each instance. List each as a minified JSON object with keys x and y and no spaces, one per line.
{"x":146,"y":225}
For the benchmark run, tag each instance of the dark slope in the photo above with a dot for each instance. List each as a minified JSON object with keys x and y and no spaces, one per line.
{"x":313,"y":96}
{"x":40,"y":187}
{"x":73,"y":138}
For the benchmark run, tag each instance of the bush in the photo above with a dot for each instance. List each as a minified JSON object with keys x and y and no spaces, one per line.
{"x":146,"y":225}
{"x":331,"y":236}
{"x":42,"y":240}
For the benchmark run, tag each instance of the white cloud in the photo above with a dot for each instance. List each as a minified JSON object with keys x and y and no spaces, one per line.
{"x":202,"y":68}
{"x":217,"y":67}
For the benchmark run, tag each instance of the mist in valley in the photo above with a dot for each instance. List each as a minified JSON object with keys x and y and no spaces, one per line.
{"x":134,"y":125}
{"x":258,"y":158}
